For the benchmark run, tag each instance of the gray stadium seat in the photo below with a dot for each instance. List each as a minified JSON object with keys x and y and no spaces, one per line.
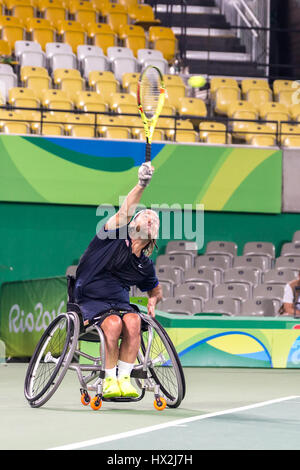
{"x":122,"y":61}
{"x":181,"y":304}
{"x":256,"y":261}
{"x":258,"y":307}
{"x":296,"y":236}
{"x":91,"y":58}
{"x":290,"y":262}
{"x":183,"y":260}
{"x":7,"y":77}
{"x":212,"y":261}
{"x":221,"y":247}
{"x":176,"y":246}
{"x":279,"y":276}
{"x":259,"y":248}
{"x":235,"y":291}
{"x":290,"y":249}
{"x":30,"y":53}
{"x":170,"y":273}
{"x":248,"y":276}
{"x":226,"y":306}
{"x":194,"y":290}
{"x":269,"y":291}
{"x":154,"y":57}
{"x":210,"y":275}
{"x":60,"y":55}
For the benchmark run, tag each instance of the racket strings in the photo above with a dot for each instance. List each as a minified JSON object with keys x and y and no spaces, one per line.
{"x":150,"y":92}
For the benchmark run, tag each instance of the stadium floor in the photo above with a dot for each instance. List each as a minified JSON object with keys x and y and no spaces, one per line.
{"x":223,"y":409}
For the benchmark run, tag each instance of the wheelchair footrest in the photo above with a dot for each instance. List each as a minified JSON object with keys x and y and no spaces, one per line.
{"x":138,"y":374}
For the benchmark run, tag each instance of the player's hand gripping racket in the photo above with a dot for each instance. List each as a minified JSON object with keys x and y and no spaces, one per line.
{"x":150,"y":99}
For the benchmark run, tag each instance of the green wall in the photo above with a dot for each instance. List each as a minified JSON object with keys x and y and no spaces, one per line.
{"x":41,"y":240}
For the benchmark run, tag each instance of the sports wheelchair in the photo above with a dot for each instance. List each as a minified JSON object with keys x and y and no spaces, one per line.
{"x":157,"y":369}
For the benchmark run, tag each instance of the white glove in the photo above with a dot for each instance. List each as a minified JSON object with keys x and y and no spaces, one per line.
{"x":145,"y":174}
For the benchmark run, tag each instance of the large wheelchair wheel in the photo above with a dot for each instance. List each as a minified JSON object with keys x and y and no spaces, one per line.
{"x":51,"y":359}
{"x":164,"y":364}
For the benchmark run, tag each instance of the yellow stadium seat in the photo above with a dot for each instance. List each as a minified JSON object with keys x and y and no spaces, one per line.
{"x":224,"y":96}
{"x":263,"y":141}
{"x":184,"y":132}
{"x":259,"y":96}
{"x":68,"y":80}
{"x":56,"y":99}
{"x":113,"y":127}
{"x":12,"y":122}
{"x":23,"y":97}
{"x":282,"y":85}
{"x":103,"y":83}
{"x":260,"y":135}
{"x":31,"y":117}
{"x":21,"y":9}
{"x":49,"y":124}
{"x":72,"y":33}
{"x":5,"y":48}
{"x":133,"y":37}
{"x":12,"y":30}
{"x":120,"y":99}
{"x":254,"y":84}
{"x":130,"y":81}
{"x":164,"y":40}
{"x":100,"y":4}
{"x":222,"y":82}
{"x":35,"y":78}
{"x":115,"y":15}
{"x":286,"y":97}
{"x":294,"y":111}
{"x":143,"y":15}
{"x":211,"y":128}
{"x":175,"y":89}
{"x":241,"y":112}
{"x":101,"y":35}
{"x":53,"y":10}
{"x":81,"y":125}
{"x":129,"y":3}
{"x":83,"y":11}
{"x":41,"y":31}
{"x":90,"y":101}
{"x":274,"y":111}
{"x":165,"y":124}
{"x":192,"y":106}
{"x":290,"y":135}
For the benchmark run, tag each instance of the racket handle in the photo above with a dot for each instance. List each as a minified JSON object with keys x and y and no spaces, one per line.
{"x":148,"y":152}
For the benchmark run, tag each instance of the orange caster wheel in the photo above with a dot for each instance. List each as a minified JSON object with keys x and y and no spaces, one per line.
{"x":160,"y":403}
{"x":85,"y":399}
{"x":96,"y":403}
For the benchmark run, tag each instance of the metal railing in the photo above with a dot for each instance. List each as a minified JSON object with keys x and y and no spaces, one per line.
{"x":232,"y":136}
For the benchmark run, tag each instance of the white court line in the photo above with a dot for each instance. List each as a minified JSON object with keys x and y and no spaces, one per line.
{"x":158,"y":427}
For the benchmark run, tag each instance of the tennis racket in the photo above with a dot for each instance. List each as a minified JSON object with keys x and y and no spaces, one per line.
{"x":150,"y":99}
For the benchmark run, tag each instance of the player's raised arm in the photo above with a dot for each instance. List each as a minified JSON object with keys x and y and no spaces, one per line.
{"x":126,"y":211}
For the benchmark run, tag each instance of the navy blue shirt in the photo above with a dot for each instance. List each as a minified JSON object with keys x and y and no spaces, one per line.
{"x":107,"y":270}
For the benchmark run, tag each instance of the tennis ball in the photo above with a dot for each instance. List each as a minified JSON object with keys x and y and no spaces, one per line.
{"x":197,"y":81}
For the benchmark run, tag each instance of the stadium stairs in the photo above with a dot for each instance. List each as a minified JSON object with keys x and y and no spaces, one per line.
{"x":212,"y":46}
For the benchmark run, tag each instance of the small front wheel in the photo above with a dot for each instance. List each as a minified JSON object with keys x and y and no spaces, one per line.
{"x":85,"y":398}
{"x":160,"y":403}
{"x":96,"y":403}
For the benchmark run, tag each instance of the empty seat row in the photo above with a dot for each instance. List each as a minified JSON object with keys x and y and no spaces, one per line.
{"x":185,"y":305}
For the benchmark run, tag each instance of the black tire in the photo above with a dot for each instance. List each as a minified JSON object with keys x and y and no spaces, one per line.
{"x":57,"y":345}
{"x":166,"y":369}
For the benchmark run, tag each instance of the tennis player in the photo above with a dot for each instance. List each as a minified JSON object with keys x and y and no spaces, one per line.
{"x":116,"y":259}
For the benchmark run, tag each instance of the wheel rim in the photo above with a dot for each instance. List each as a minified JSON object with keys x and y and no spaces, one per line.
{"x":163,"y":368}
{"x":48,"y":359}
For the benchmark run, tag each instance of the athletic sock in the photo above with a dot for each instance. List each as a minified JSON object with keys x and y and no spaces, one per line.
{"x":111,"y":372}
{"x":124,"y":368}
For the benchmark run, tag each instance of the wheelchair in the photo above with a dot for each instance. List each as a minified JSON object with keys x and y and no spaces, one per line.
{"x":157,"y":368}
